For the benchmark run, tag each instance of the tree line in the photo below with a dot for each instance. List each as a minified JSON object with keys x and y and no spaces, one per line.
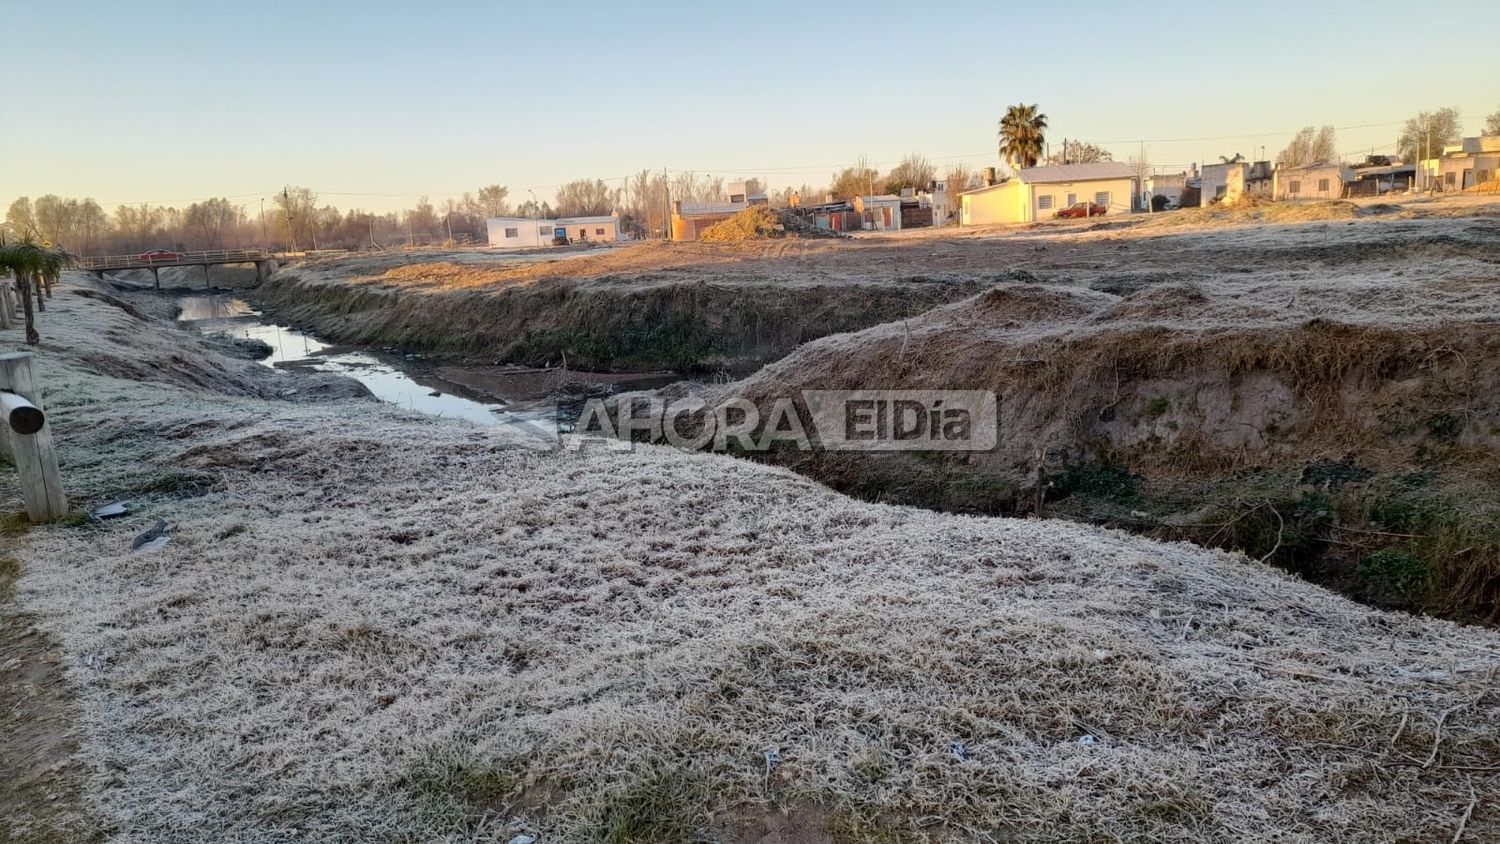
{"x":296,"y":218}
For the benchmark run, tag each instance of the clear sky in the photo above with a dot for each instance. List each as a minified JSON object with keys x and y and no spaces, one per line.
{"x":374,"y":103}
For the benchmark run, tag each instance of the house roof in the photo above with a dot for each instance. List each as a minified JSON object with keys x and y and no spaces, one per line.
{"x":1077,"y":172}
{"x":608,"y":218}
{"x":888,"y":197}
{"x":1318,"y":165}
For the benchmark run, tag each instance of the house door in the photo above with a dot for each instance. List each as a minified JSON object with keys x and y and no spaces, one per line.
{"x":885,"y":216}
{"x":1468,"y":179}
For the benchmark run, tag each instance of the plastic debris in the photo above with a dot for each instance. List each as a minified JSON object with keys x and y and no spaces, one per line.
{"x":523,"y":839}
{"x":152,"y":538}
{"x":1086,"y":741}
{"x":959,"y":752}
{"x":112,"y":510}
{"x":773,"y":758}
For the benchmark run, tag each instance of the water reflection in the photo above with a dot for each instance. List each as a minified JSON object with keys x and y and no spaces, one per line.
{"x":384,"y":377}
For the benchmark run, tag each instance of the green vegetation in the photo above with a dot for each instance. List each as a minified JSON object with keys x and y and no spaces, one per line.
{"x":664,"y":806}
{"x":14,"y":523}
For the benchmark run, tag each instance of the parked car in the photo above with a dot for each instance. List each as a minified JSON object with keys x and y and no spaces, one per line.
{"x":1079,"y":210}
{"x":158,"y":256}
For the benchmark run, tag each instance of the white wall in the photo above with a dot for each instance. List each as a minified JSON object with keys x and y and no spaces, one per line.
{"x":532,"y":232}
{"x":515,"y":232}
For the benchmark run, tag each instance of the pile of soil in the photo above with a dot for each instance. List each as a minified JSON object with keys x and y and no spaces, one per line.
{"x":757,"y":222}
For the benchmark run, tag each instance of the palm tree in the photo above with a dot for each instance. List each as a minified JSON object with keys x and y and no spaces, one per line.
{"x":32,"y":265}
{"x":1022,"y":133}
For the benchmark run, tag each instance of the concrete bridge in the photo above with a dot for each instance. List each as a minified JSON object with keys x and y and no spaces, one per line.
{"x":265,"y":262}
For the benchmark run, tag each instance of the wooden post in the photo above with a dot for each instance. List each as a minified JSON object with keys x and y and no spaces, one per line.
{"x":30,"y":440}
{"x":156,"y":274}
{"x":208,"y":282}
{"x":6,"y":320}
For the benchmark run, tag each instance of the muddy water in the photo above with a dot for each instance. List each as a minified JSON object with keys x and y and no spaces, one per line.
{"x":391,"y":378}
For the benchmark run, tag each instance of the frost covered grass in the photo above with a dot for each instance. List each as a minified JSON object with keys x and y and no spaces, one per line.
{"x":375,"y":626}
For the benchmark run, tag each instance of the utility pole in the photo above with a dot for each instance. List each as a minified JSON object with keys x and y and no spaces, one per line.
{"x":286,"y":200}
{"x":666,"y":197}
{"x":265,"y":242}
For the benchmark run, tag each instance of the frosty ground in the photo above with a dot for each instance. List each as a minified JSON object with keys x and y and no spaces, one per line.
{"x":372,"y":625}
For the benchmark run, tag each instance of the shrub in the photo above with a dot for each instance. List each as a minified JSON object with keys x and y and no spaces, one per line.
{"x":1393,"y":575}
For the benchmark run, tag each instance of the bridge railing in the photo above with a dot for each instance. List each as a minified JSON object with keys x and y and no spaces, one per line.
{"x":205,"y":256}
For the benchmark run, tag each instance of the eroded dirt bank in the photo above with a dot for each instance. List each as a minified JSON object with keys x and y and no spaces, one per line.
{"x":688,"y":307}
{"x":1336,"y":413}
{"x":660,"y":646}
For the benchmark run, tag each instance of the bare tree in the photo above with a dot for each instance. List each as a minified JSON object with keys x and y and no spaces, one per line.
{"x":586,"y":198}
{"x":959,"y":178}
{"x":645,"y":205}
{"x":1080,"y":152}
{"x":1492,"y":123}
{"x":296,"y":217}
{"x":1309,"y":146}
{"x":914,"y":171}
{"x":212,"y":220}
{"x":21,"y":218}
{"x":492,"y":200}
{"x":858,"y":180}
{"x":139,"y":226}
{"x":1425,"y":135}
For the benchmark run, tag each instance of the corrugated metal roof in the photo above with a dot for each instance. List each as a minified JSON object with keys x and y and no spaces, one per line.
{"x":1077,"y":172}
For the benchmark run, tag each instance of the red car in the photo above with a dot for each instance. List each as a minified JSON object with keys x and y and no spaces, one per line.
{"x":1080,"y":210}
{"x":158,"y":256}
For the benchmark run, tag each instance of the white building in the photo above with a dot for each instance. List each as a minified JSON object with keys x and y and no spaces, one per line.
{"x":515,"y":232}
{"x":879,"y":213}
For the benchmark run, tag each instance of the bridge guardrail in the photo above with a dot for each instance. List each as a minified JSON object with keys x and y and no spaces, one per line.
{"x":206,"y":256}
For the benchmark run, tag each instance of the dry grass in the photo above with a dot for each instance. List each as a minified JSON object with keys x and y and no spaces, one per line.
{"x":372,"y":626}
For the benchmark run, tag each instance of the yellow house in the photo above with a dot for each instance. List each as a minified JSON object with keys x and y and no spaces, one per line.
{"x":1038,"y":193}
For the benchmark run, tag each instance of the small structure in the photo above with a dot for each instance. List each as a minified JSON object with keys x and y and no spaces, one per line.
{"x":1322,"y":180}
{"x":689,"y":219}
{"x":833,"y":216}
{"x":518,"y":232}
{"x":1168,"y":186}
{"x":937,"y":198}
{"x":1378,"y":176}
{"x":879,"y":213}
{"x":1472,"y":164}
{"x":1038,"y":193}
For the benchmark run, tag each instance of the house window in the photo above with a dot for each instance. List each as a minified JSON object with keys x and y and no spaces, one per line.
{"x":512,"y":232}
{"x":1294,"y":187}
{"x":736,"y":197}
{"x":1102,"y":198}
{"x":1448,"y":179}
{"x":1481,"y":177}
{"x":1072,"y":199}
{"x":1322,"y":186}
{"x":1044,"y":202}
{"x":599,"y":231}
{"x":546,"y":231}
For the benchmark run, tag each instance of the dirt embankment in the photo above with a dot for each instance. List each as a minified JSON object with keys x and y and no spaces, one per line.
{"x":1346,"y":428}
{"x":692,"y":307}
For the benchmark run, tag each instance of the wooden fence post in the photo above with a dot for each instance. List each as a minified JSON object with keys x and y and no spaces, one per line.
{"x":30,"y":439}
